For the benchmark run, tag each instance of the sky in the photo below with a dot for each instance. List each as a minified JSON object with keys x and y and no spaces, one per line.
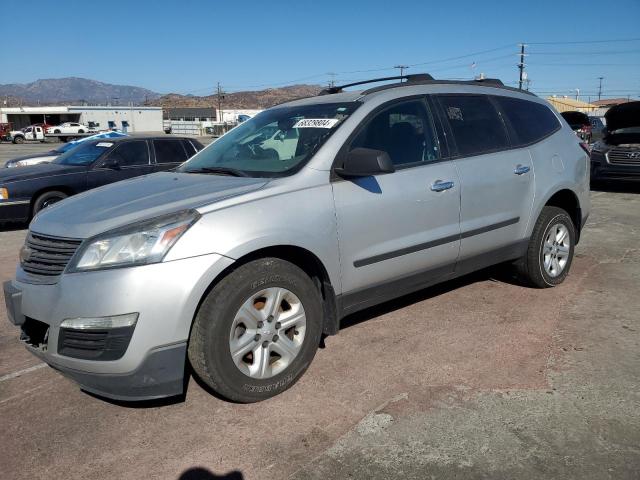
{"x":188,"y":46}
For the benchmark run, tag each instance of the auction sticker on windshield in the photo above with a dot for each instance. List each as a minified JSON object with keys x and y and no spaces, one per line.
{"x":104,"y":144}
{"x":316,"y":123}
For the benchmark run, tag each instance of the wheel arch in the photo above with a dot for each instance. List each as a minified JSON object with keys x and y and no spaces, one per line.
{"x":55,"y":188}
{"x":566,"y":199}
{"x":304,"y":259}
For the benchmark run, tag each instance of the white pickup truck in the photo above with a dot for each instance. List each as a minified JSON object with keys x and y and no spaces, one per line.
{"x":29,"y":133}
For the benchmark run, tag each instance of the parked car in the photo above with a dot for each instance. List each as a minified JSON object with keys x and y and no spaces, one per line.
{"x":617,"y":155}
{"x":580,"y":124}
{"x":32,"y":132}
{"x":26,"y":191}
{"x":243,"y":257}
{"x":47,"y":157}
{"x":69,"y":127}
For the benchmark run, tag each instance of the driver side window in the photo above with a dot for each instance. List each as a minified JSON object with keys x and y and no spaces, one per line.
{"x":404,"y":131}
{"x":131,"y":154}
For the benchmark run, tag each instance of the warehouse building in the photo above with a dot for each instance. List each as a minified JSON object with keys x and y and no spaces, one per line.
{"x":125,"y":118}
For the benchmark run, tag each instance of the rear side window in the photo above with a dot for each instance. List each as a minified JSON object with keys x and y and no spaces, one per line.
{"x":188,"y":146}
{"x":530,"y":121}
{"x":475,"y":123}
{"x":169,"y":151}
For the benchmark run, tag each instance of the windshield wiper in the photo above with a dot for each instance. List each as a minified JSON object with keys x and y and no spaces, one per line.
{"x":233,"y":172}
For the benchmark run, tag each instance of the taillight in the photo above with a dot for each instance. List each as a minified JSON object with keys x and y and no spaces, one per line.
{"x":585,"y":147}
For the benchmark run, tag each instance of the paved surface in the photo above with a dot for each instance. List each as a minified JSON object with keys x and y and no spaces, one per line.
{"x":476,"y":378}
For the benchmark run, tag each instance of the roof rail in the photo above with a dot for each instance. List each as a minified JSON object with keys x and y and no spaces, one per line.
{"x":418,"y":77}
{"x":421,"y":79}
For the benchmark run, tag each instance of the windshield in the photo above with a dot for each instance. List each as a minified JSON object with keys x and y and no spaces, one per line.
{"x":273,"y":143}
{"x":84,"y":154}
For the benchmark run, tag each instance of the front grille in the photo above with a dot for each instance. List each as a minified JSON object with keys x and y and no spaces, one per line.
{"x":45,"y":255}
{"x":624,"y":156}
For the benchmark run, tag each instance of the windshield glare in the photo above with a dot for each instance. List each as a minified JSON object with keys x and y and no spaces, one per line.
{"x":274,"y":142}
{"x":83,"y":154}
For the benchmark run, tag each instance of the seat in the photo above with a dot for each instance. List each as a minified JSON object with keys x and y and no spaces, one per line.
{"x":406,"y":145}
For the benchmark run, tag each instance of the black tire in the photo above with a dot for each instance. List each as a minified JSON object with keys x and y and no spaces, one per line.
{"x":46,"y":199}
{"x":530,"y":268}
{"x":80,"y":131}
{"x":57,"y":131}
{"x":208,"y":350}
{"x":18,"y":140}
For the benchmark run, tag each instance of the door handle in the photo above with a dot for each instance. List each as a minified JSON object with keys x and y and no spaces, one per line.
{"x":521,"y":170}
{"x":440,"y":186}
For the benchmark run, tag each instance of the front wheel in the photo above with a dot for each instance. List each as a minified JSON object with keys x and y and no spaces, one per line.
{"x":257,"y":331}
{"x":550,"y":251}
{"x":47,"y":199}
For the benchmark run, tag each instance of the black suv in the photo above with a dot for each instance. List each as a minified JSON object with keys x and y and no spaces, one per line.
{"x":617,"y":155}
{"x":27,"y":190}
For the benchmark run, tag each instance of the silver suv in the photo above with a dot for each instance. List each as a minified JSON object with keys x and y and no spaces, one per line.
{"x":245,"y":256}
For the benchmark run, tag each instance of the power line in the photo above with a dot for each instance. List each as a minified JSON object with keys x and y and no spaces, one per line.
{"x":581,"y":42}
{"x":598,"y":52}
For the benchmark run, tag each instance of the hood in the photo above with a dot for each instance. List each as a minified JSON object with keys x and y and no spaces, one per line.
{"x":140,"y":198}
{"x":625,"y":115}
{"x":31,"y":172}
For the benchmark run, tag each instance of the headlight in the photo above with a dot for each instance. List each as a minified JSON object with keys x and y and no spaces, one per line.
{"x":139,"y":244}
{"x":4,"y":194}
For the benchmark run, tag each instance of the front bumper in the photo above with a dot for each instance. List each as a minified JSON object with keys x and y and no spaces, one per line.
{"x":14,"y":210}
{"x":166,"y":296}
{"x":601,"y":169}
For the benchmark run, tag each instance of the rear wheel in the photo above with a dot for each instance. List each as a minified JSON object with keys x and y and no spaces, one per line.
{"x":257,"y":331}
{"x":47,"y":199}
{"x":80,"y":131}
{"x":550,"y":251}
{"x":18,"y":140}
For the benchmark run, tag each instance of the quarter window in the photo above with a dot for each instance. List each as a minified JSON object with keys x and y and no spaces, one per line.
{"x":530,"y":121}
{"x":131,"y":154}
{"x":404,"y":131}
{"x":169,"y":151}
{"x":475,"y":123}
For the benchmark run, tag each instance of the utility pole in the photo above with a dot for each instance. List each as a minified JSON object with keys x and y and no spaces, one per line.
{"x":521,"y":66}
{"x":220,"y":96}
{"x":332,"y":81}
{"x":600,"y":88}
{"x":402,"y":69}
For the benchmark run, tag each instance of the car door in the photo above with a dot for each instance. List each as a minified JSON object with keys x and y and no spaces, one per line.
{"x":127,"y":159}
{"x":403,"y":226}
{"x":169,"y":153}
{"x":497,"y":182}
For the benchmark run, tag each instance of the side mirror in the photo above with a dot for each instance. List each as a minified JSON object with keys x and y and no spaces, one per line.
{"x":366,"y":162}
{"x":111,"y":163}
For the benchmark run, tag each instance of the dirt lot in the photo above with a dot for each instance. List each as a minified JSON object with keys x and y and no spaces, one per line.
{"x":477,"y":378}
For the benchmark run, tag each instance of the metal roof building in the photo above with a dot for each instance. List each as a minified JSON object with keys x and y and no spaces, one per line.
{"x":125,"y":118}
{"x":565,"y":104}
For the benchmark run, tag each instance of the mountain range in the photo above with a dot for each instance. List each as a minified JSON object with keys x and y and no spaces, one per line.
{"x":74,"y":90}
